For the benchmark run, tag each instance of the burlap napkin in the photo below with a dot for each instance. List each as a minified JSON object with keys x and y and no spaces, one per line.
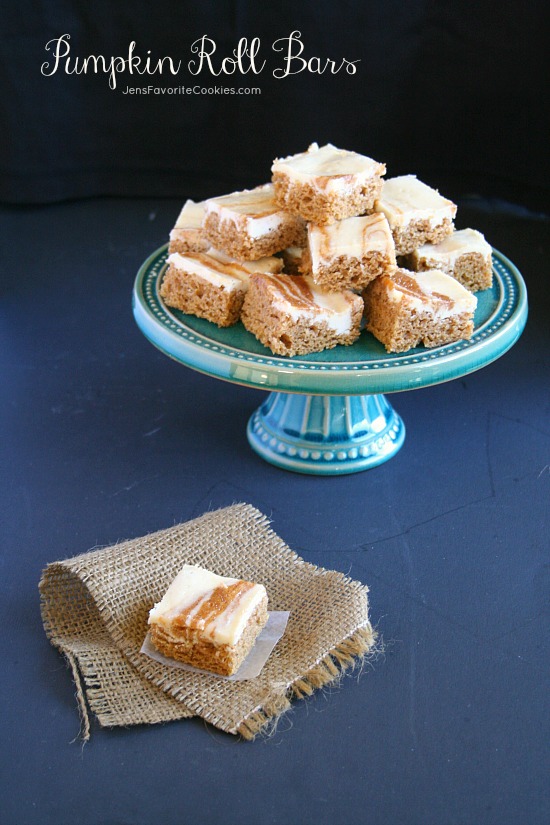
{"x":95,"y":608}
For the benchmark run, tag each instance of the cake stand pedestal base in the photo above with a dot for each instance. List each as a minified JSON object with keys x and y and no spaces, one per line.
{"x":325,"y":434}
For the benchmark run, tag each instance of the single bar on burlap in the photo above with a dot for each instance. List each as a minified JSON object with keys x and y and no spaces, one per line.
{"x":95,"y":609}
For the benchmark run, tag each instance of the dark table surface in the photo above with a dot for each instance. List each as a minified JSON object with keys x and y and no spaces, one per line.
{"x":104,"y":438}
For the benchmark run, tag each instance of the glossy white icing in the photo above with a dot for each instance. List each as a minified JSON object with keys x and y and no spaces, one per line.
{"x":405,"y":198}
{"x":328,"y":168}
{"x":433,"y":290}
{"x":190,"y":216}
{"x":301,"y":299}
{"x":268,"y":264}
{"x":461,"y":242}
{"x":352,"y":237}
{"x":189,"y":594}
{"x":254,"y":209}
{"x":229,"y":276}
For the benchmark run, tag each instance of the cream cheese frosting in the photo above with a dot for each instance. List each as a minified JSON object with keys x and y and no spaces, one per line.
{"x":405,"y":198}
{"x":231,"y":277}
{"x":190,"y":216}
{"x":352,"y":237}
{"x":268,"y":264}
{"x":221,"y":270}
{"x":217,"y":606}
{"x":434,"y":289}
{"x":461,"y":242}
{"x":301,"y":299}
{"x":255,"y":209}
{"x":334,"y":168}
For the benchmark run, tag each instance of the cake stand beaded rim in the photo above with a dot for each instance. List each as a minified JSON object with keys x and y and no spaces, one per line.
{"x":208,"y":350}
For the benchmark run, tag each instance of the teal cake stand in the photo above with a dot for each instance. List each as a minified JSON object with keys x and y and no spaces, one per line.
{"x":327,"y":413}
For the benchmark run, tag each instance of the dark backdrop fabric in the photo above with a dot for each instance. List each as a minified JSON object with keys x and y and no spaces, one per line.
{"x":452,"y":91}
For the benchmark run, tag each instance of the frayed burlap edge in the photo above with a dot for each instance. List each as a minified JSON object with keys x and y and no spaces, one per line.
{"x":84,"y":733}
{"x":349,"y":653}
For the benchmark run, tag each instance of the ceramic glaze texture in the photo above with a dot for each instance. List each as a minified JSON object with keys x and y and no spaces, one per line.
{"x":325,"y":434}
{"x":235,"y":355}
{"x":288,"y":432}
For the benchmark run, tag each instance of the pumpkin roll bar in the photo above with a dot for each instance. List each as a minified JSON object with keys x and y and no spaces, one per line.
{"x":208,"y":621}
{"x":291,"y":315}
{"x":349,"y":254}
{"x":211,"y":285}
{"x":465,"y":255}
{"x":326,"y":184}
{"x":416,"y":213}
{"x":406,"y":309}
{"x":187,"y":234}
{"x":249,"y":225}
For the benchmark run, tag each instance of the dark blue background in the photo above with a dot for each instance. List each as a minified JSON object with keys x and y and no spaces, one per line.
{"x":103,"y":438}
